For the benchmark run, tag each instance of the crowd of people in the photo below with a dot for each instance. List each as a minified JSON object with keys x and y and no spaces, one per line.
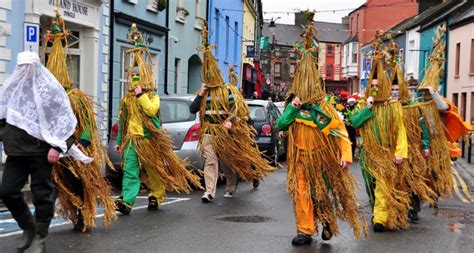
{"x":49,"y":133}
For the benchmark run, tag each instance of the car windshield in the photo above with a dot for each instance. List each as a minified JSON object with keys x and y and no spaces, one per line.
{"x":257,"y":113}
{"x":173,"y":111}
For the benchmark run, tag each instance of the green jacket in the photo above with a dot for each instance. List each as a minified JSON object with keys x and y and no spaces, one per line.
{"x":308,"y":114}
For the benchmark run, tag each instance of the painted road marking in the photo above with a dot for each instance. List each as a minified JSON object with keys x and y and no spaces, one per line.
{"x":456,"y":190}
{"x":463,"y":184}
{"x":63,"y":222}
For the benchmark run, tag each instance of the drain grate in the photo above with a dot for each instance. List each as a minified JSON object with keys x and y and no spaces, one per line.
{"x":245,"y":219}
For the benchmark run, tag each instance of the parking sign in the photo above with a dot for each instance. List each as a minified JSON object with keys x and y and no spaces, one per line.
{"x":31,"y":37}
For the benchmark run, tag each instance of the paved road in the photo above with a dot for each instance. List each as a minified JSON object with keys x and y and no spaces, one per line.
{"x":265,"y":223}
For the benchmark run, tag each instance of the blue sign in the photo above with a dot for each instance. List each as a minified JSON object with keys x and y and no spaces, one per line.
{"x":31,"y":33}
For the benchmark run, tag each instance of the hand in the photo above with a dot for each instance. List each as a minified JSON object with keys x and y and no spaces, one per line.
{"x":426,"y":152}
{"x":430,"y":89}
{"x":138,"y":90}
{"x":79,"y":145}
{"x":345,"y":164}
{"x":370,"y":102}
{"x":398,"y":160}
{"x":296,"y":102}
{"x":228,"y":125}
{"x":53,"y":156}
{"x":117,"y":148}
{"x":387,"y":101}
{"x":203,"y":89}
{"x":281,"y":134}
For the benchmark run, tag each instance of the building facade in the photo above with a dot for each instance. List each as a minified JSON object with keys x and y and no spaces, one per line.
{"x":151,"y":20}
{"x":250,"y":24}
{"x":225,"y":32}
{"x":184,"y":63}
{"x":460,"y":74}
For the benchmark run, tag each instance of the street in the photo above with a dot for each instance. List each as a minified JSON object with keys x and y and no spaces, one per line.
{"x":260,"y":220}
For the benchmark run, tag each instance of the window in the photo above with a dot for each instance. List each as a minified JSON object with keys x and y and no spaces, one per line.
{"x":257,"y":113}
{"x":455,"y":99}
{"x":292,"y":69}
{"x":330,"y":50}
{"x":175,"y":111}
{"x":401,"y":54}
{"x":277,"y":53}
{"x":277,"y":69}
{"x":354,"y":53}
{"x":177,"y":71}
{"x":471,"y":67}
{"x":292,"y":54}
{"x":236,"y":43}
{"x":227,"y":38}
{"x":329,"y":71}
{"x":463,"y":105}
{"x":458,"y":56}
{"x":411,"y":56}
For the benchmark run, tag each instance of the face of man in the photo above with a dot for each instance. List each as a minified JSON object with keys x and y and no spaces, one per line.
{"x":395,"y":92}
{"x":351,"y":103}
{"x":375,"y":84}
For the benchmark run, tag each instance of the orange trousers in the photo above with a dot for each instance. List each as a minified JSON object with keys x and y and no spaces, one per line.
{"x":304,"y":210}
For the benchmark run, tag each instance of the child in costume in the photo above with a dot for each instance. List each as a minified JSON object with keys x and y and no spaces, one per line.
{"x":81,"y":186}
{"x":319,"y":153}
{"x":225,"y":133}
{"x":417,"y":136}
{"x":147,"y":151}
{"x":384,"y":148}
{"x":444,"y":123}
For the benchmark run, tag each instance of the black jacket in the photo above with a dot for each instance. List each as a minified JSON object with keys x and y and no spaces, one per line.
{"x":17,"y":142}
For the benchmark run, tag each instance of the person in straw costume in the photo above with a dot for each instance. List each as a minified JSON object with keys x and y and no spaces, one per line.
{"x":319,"y":153}
{"x":225,"y":134}
{"x":418,"y":136}
{"x":384,"y":147}
{"x":147,"y":151}
{"x":444,"y":123}
{"x":81,"y":186}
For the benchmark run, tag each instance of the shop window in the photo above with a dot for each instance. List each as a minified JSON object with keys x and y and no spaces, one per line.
{"x":354,"y":53}
{"x":330,"y":50}
{"x":292,"y":69}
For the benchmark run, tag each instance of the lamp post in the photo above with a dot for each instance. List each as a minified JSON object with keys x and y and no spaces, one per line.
{"x":271,"y":28}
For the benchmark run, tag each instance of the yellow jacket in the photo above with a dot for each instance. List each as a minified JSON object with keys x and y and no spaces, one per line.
{"x":150,"y":106}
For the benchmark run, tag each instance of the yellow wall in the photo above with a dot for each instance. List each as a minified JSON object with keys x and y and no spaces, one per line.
{"x":248,"y":30}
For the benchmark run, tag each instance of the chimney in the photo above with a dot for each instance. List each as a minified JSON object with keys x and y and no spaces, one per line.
{"x":299,"y":19}
{"x":345,"y":20}
{"x":424,"y":5}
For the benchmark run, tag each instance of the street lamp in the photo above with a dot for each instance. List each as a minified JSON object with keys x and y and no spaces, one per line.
{"x":271,"y":28}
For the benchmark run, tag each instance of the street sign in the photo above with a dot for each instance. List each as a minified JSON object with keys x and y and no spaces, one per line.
{"x":31,"y":37}
{"x":250,"y":52}
{"x":263,"y":42}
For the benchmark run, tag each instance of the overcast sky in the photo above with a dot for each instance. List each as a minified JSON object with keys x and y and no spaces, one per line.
{"x":318,"y":5}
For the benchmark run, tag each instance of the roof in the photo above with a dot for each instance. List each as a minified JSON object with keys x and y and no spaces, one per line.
{"x":400,"y":27}
{"x":451,"y":7}
{"x":358,"y":8}
{"x":257,"y":102}
{"x":463,"y":18}
{"x":331,"y":32}
{"x":286,"y":35}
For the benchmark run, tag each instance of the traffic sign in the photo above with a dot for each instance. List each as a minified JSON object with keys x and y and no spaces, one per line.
{"x":31,"y":37}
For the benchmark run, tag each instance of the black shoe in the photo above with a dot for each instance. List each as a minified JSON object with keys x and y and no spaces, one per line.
{"x":378,"y":228}
{"x":326,"y":235}
{"x":301,"y":239}
{"x":122,"y":207}
{"x":79,"y":225}
{"x":39,"y":242}
{"x":152,"y":203}
{"x":413,"y":216}
{"x":256,"y":183}
{"x":206,"y":198}
{"x":28,"y":225}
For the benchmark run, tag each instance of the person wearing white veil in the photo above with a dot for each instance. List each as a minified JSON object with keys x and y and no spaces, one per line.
{"x":38,"y":127}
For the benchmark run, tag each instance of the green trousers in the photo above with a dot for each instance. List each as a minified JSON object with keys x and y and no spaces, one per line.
{"x":131,"y":178}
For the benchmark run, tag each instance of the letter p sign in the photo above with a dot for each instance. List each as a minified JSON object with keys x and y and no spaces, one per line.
{"x":31,"y":33}
{"x":31,"y":37}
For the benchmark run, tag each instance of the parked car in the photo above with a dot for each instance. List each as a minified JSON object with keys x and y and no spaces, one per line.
{"x":280,"y":106}
{"x":264,"y":114}
{"x":182,"y":125}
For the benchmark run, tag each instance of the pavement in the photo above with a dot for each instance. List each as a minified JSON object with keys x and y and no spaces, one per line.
{"x":255,"y":220}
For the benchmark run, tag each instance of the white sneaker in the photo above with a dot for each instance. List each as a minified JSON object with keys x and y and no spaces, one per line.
{"x":206,"y":198}
{"x":228,"y":195}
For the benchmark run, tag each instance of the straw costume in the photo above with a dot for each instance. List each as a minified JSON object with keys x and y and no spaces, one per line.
{"x":81,"y":186}
{"x":418,"y":137}
{"x":444,"y":123}
{"x":318,"y":145}
{"x":147,"y":151}
{"x":384,"y":140}
{"x":218,"y":105}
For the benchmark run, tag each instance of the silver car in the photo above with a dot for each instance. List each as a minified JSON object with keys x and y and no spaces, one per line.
{"x":183,"y":127}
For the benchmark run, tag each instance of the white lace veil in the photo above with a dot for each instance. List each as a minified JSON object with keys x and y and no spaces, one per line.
{"x":33,"y":100}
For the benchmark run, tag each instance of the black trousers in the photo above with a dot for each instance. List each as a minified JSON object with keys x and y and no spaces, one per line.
{"x":353,"y":137}
{"x":15,"y":175}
